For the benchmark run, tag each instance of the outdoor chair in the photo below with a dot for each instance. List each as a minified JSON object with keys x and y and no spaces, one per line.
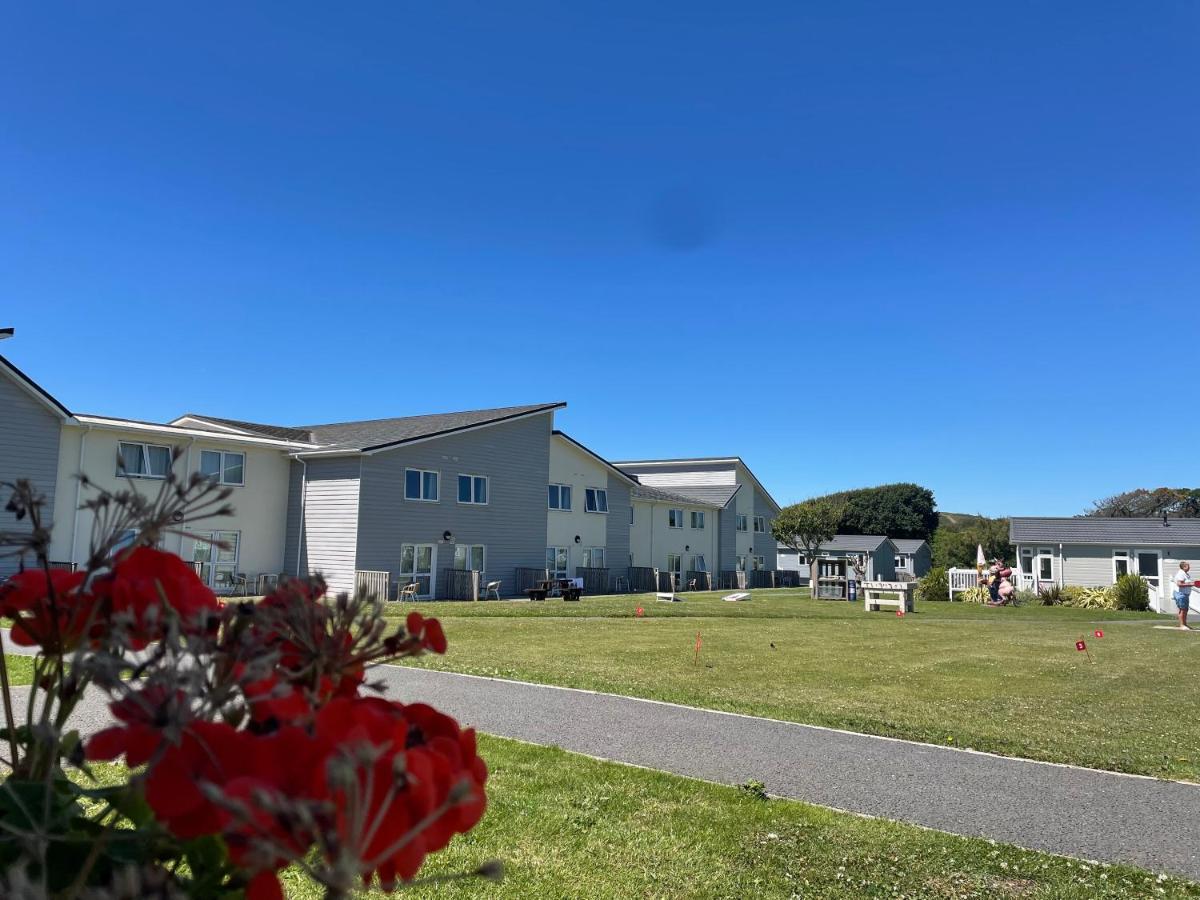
{"x":239,"y":582}
{"x":620,"y":585}
{"x":408,"y":592}
{"x":493,"y":587}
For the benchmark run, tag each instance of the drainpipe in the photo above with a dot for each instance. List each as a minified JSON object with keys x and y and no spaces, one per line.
{"x":1061,"y":560}
{"x":78,"y":492}
{"x":187,"y":470}
{"x":303,"y":497}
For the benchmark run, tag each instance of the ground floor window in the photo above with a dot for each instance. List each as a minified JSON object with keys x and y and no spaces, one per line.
{"x":760,"y":563}
{"x":698,"y":564}
{"x":217,"y":553}
{"x":557,"y":561}
{"x":593,"y":558}
{"x":469,"y":556}
{"x":1120,"y":561}
{"x":741,"y":564}
{"x":674,"y":566}
{"x":416,"y":565}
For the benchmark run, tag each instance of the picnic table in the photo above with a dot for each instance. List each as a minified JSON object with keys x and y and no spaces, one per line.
{"x":567,"y":588}
{"x":888,"y":593}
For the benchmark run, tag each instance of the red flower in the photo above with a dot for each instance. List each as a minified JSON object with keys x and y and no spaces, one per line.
{"x":145,"y":579}
{"x":429,"y":631}
{"x":272,"y":702}
{"x":145,"y":714}
{"x":57,"y":627}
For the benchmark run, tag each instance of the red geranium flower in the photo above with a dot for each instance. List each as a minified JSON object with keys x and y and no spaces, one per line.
{"x":143,"y":580}
{"x":429,"y":631}
{"x":57,"y":627}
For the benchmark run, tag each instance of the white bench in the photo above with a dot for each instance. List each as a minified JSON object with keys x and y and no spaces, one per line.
{"x":873,"y":593}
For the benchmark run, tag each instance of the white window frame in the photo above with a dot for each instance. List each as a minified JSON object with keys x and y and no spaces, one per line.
{"x":1043,"y":553}
{"x":407,"y":577}
{"x":699,"y":564}
{"x":122,"y":472}
{"x":902,"y":561}
{"x":219,"y":478}
{"x":741,"y":522}
{"x":760,"y":563}
{"x":1156,"y":586}
{"x":592,"y":497}
{"x":740,"y":563}
{"x":697,"y":516}
{"x":630,"y":513}
{"x":473,"y":481}
{"x":561,"y":487}
{"x":760,"y":524}
{"x":468,"y":550}
{"x":677,"y":571}
{"x":674,"y":518}
{"x":212,"y":561}
{"x":423,"y":472}
{"x":1126,"y":556}
{"x":589,"y":558}
{"x":552,"y":556}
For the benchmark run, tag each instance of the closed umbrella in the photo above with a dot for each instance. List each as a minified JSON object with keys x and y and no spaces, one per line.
{"x":980,"y":559}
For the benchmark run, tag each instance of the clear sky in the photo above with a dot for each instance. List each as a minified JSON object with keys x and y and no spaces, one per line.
{"x":952,"y":243}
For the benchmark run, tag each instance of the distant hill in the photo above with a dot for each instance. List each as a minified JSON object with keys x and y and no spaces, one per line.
{"x":958,"y":521}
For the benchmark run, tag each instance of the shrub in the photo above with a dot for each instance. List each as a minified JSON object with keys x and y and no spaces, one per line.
{"x":1052,"y":596}
{"x":977,"y":594}
{"x":1131,"y":592}
{"x":1025,"y":598}
{"x":934,"y":586}
{"x":1095,"y":598}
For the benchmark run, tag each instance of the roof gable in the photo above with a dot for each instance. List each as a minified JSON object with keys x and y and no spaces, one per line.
{"x":35,"y":390}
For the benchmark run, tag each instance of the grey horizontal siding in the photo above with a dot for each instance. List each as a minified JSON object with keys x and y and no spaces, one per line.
{"x":617,"y":526}
{"x":295,"y":560}
{"x":331,"y":506}
{"x":1087,"y":566}
{"x":764,"y":543}
{"x":29,"y":441}
{"x":515,"y":457}
{"x":727,"y":539}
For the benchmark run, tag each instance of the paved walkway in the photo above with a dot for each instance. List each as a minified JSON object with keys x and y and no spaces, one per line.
{"x":1077,"y":812}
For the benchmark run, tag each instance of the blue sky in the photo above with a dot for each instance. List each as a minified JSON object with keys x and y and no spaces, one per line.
{"x":853,"y":243}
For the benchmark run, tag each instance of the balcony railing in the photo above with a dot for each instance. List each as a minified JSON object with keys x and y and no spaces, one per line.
{"x":374,"y":584}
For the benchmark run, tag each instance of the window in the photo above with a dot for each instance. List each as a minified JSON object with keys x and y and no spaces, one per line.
{"x":902,"y":561}
{"x":631,"y":514}
{"x":674,"y":562}
{"x":697,"y":518}
{"x":741,"y":564}
{"x":473,"y":489}
{"x":217,"y":554}
{"x":1045,"y":564}
{"x":595,"y":500}
{"x":698,"y":564}
{"x":760,"y":563}
{"x":416,"y":566}
{"x":420,"y":485}
{"x":1120,"y":560}
{"x":760,"y":525}
{"x":674,"y":518}
{"x":741,"y":523}
{"x":469,"y":556}
{"x":560,"y":497}
{"x":593,"y":558}
{"x":144,"y":460}
{"x":557,"y":559}
{"x":223,"y":467}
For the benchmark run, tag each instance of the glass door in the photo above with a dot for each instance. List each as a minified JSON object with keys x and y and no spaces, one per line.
{"x":1149,"y":566}
{"x":217,"y":565}
{"x":416,"y":564}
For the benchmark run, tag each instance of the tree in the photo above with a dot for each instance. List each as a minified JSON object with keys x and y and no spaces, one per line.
{"x":956,"y":545}
{"x":895,"y":510}
{"x":804,"y":527}
{"x":1183,"y":503}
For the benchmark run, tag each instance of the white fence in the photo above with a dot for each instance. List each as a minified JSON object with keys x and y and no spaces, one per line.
{"x":376,"y":584}
{"x":961,"y":580}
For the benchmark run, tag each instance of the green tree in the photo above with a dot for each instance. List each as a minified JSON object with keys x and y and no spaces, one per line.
{"x":895,"y":510}
{"x":804,"y":527}
{"x":1183,"y":503}
{"x":956,"y":545}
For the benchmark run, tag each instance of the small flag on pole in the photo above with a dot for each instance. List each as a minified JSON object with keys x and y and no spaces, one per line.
{"x":698,"y":642}
{"x":1098,"y":633}
{"x":1081,"y":646}
{"x":641,"y":612}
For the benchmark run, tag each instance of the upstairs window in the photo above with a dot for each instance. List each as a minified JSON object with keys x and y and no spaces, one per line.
{"x":473,"y":489}
{"x":560,"y":497}
{"x":223,"y":467}
{"x":741,"y":523}
{"x":144,"y":460}
{"x":420,"y":484}
{"x":596,"y":500}
{"x":760,"y":525}
{"x":674,"y":518}
{"x":697,"y":518}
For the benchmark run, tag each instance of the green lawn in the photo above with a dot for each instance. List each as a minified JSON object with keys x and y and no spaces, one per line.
{"x":1005,"y":680}
{"x":20,"y":669}
{"x":568,"y":826}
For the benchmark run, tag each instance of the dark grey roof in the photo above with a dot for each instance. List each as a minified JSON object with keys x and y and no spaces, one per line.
{"x":274,"y":431}
{"x":378,"y":434}
{"x":1102,"y":530}
{"x":908,"y":545}
{"x":649,"y":492}
{"x":717,"y":495}
{"x":852,"y":543}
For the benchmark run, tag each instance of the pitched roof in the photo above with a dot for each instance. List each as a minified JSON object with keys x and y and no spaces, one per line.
{"x":658,"y":495}
{"x":275,"y":431}
{"x":596,"y":456}
{"x":38,"y":392}
{"x":1102,"y":530}
{"x":381,"y":434}
{"x":717,"y":495}
{"x":908,"y":545}
{"x":704,"y":493}
{"x":852,"y":543}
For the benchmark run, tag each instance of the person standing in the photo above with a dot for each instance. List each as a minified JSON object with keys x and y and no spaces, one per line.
{"x":1183,"y":592}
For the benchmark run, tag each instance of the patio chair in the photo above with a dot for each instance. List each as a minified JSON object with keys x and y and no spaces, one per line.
{"x":408,"y":592}
{"x":620,"y":585}
{"x":493,"y":587}
{"x":238,"y":581}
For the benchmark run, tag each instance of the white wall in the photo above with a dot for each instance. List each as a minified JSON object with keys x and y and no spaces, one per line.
{"x":570,"y":465}
{"x":260,"y":506}
{"x":651,"y":539}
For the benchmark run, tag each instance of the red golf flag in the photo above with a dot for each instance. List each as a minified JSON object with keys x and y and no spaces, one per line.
{"x":900,"y":613}
{"x":1080,"y":646}
{"x":1098,"y":633}
{"x":640,"y":611}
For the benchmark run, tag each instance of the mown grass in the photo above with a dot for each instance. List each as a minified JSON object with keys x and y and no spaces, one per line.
{"x":1005,"y":680}
{"x":571,"y":827}
{"x":20,"y":669}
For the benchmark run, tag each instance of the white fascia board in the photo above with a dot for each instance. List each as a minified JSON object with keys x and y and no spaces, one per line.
{"x":103,"y":422}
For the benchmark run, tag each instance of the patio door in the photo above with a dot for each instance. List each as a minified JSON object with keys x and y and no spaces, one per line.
{"x":218,"y":565}
{"x":416,"y":564}
{"x":1149,"y":566}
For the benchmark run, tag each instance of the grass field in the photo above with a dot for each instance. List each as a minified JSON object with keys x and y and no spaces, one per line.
{"x":20,"y":669}
{"x":1004,"y":680}
{"x":568,"y":826}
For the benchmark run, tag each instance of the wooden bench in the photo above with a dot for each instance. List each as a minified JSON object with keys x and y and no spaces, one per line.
{"x":877,"y":593}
